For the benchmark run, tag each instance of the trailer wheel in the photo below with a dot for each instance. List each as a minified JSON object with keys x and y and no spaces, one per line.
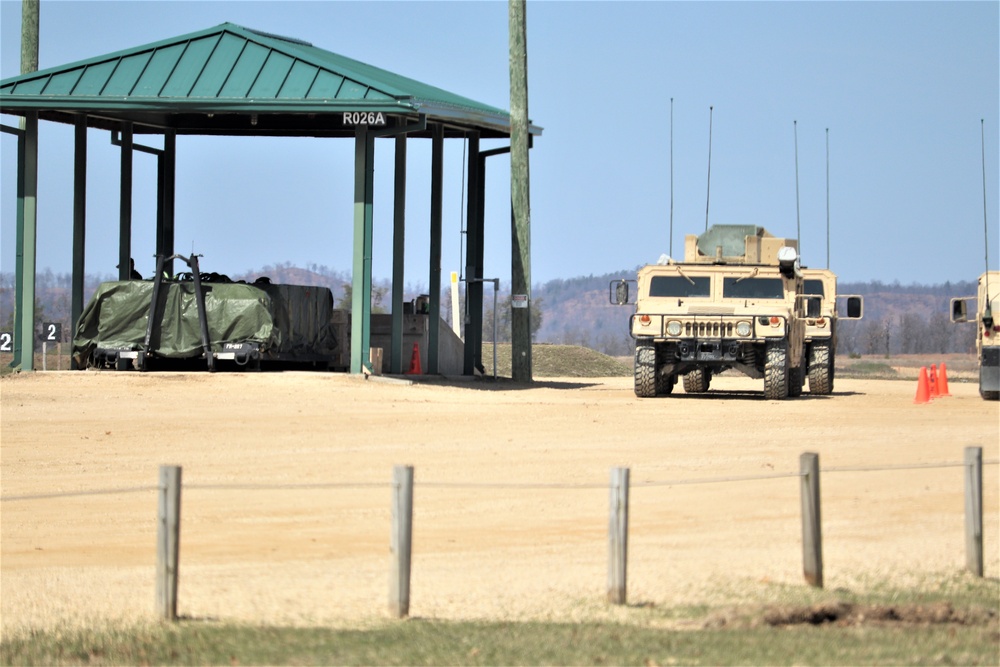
{"x":776,"y":372}
{"x":697,"y":381}
{"x":820,"y":369}
{"x":645,"y":370}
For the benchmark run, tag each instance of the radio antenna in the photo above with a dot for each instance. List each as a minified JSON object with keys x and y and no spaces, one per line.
{"x":828,"y":198}
{"x":708,"y":190}
{"x":798,"y":224}
{"x":986,"y":232}
{"x":671,"y":177}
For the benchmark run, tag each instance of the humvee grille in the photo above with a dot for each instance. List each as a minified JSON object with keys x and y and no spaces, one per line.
{"x":713,"y":329}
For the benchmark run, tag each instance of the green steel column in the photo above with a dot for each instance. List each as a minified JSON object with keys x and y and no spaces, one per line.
{"x":398,"y":246}
{"x":166,"y":163}
{"x":473,"y":264}
{"x":125,"y":205}
{"x":361,"y":280}
{"x":520,"y":197}
{"x":24,"y":335}
{"x":434,"y":283}
{"x":18,"y":247}
{"x":79,"y":224}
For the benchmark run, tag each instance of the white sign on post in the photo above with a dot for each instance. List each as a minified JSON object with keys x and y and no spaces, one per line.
{"x":519,"y":300}
{"x":456,"y":323}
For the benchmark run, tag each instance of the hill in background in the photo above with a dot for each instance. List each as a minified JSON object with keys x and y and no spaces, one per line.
{"x":899,"y":319}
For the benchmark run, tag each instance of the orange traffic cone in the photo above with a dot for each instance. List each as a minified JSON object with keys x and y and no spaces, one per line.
{"x":923,"y":390}
{"x":943,"y":381}
{"x":415,"y":361}
{"x":933,"y":378}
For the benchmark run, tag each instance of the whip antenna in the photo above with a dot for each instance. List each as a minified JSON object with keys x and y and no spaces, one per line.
{"x":708,"y":190}
{"x":828,"y":198}
{"x":798,"y":223}
{"x":986,"y":232}
{"x":671,"y":177}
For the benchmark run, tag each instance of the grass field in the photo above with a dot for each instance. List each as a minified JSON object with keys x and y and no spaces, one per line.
{"x":954,"y":622}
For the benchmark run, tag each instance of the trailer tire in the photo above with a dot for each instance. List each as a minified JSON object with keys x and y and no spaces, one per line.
{"x":776,"y":372}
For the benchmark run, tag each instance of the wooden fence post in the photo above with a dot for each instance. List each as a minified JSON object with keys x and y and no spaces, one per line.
{"x":618,"y":536}
{"x":812,"y":537}
{"x":400,"y":541}
{"x":974,"y":510}
{"x":168,"y":541}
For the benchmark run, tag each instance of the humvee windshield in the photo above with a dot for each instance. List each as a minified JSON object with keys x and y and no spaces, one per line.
{"x":680,"y":286}
{"x":753,"y":288}
{"x":814,"y":287}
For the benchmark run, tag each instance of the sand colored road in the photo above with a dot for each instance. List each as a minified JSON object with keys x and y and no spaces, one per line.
{"x":286,"y":503}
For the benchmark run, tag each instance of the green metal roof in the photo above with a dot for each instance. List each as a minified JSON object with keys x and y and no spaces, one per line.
{"x":217,"y":81}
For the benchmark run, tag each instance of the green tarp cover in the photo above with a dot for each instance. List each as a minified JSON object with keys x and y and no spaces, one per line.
{"x":285,"y":321}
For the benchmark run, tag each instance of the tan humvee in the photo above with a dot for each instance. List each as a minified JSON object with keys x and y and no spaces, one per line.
{"x":821,"y":330}
{"x":987,"y":331}
{"x":735,"y":302}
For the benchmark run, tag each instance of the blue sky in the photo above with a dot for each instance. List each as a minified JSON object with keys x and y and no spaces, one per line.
{"x":902,"y":87}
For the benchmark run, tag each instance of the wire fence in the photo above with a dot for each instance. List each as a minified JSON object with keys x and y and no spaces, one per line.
{"x":169,"y":493}
{"x":258,"y":486}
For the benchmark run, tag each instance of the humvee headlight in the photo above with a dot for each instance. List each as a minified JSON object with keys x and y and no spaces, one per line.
{"x":742,"y":328}
{"x":673,"y":328}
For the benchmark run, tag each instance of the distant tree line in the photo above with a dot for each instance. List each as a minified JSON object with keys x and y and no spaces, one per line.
{"x":899,"y":319}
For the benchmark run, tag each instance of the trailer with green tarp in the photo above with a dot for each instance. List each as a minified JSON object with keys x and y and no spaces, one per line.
{"x":245,"y":324}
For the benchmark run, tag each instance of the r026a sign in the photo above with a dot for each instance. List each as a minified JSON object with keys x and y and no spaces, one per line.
{"x":364,"y":118}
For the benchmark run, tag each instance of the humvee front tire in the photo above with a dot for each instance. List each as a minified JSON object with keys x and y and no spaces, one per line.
{"x":645,"y":370}
{"x":776,"y":373}
{"x":697,"y":381}
{"x":820,"y":369}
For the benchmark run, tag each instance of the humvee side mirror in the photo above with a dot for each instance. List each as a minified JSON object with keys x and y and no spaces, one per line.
{"x":854,"y":307}
{"x":620,"y":292}
{"x":960,"y":309}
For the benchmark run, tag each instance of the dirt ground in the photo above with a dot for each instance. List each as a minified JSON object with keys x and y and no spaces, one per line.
{"x":286,"y":494}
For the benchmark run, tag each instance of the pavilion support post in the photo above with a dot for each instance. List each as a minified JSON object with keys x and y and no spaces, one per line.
{"x":166,"y":163}
{"x":79,"y":224}
{"x":434,"y":281}
{"x":125,"y":205}
{"x":27,"y":237}
{"x":398,"y":247}
{"x":473,"y":264}
{"x":520,"y":197}
{"x":477,"y":251}
{"x":361,"y":279}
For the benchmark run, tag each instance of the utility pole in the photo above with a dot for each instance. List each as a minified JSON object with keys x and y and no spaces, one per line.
{"x":29,"y":36}
{"x":520,"y":197}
